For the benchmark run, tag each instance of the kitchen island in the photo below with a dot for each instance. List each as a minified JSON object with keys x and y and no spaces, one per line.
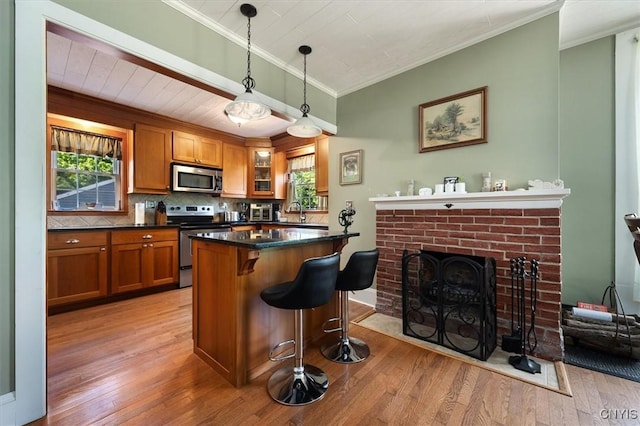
{"x":233,"y":329}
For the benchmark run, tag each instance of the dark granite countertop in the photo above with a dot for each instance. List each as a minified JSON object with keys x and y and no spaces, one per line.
{"x":131,"y":226}
{"x":272,"y":238}
{"x":109,"y":227}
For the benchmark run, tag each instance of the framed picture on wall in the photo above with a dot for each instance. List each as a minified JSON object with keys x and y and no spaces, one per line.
{"x":454,"y":121}
{"x":351,"y":167}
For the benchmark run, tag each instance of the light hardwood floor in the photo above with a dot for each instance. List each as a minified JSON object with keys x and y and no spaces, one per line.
{"x":131,"y":363}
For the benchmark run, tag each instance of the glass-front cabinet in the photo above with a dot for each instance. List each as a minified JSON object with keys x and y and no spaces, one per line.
{"x":261,"y":172}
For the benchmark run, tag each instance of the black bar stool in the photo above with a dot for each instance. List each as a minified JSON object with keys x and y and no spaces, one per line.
{"x":313,"y":286}
{"x":357,"y":275}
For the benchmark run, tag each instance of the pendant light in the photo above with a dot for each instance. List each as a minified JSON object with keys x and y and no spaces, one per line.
{"x":304,"y":127}
{"x":246,"y":107}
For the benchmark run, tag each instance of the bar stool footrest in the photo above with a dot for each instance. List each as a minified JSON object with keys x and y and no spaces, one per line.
{"x":332,"y":330}
{"x":278,"y":346}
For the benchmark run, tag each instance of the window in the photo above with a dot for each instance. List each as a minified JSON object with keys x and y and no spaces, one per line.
{"x":85,"y":181}
{"x":86,"y":168}
{"x":302,"y":182}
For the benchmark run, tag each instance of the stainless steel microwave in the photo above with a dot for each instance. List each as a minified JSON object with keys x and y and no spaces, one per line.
{"x":185,"y":178}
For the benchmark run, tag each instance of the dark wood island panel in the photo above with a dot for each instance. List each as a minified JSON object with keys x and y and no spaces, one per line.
{"x":233,"y":329}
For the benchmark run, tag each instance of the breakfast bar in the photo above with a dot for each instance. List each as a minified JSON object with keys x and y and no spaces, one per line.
{"x":233,"y":329}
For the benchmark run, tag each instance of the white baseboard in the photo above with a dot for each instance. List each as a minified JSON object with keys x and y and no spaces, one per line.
{"x":8,"y":409}
{"x":366,"y":297}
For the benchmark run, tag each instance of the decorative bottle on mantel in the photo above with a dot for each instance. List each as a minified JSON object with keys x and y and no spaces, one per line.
{"x":410,"y":187}
{"x":486,"y":182}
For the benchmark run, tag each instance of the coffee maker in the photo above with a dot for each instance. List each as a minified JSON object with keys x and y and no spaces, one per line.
{"x":242,"y":208}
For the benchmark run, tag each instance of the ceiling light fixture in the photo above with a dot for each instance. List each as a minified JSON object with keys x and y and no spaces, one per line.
{"x":304,"y":127}
{"x":246,"y":107}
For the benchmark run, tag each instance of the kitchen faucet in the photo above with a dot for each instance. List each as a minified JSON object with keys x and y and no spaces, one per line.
{"x":303,"y":217}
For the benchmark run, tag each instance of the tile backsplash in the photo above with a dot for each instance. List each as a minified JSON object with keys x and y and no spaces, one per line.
{"x":79,"y":220}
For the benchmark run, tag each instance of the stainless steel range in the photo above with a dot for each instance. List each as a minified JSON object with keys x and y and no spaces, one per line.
{"x":192,"y":219}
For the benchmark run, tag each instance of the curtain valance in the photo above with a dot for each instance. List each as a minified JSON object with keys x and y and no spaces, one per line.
{"x":66,"y":140}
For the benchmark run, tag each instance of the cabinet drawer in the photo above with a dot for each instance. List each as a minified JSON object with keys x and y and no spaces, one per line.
{"x":75,"y":239}
{"x":143,"y":235}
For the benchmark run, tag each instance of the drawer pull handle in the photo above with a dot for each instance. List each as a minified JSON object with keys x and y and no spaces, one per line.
{"x":72,"y":241}
{"x":151,"y":245}
{"x":102,"y":249}
{"x":147,"y":237}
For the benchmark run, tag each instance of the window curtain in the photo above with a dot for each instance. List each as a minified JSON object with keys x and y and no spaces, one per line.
{"x":298,"y":164}
{"x":627,"y":101}
{"x":85,"y":143}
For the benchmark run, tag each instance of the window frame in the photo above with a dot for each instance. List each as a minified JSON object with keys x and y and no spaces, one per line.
{"x":90,"y":127}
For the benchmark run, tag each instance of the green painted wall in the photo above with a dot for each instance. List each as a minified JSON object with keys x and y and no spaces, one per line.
{"x":587,"y":165}
{"x":519,"y":67}
{"x":180,"y":35}
{"x":7,"y":287}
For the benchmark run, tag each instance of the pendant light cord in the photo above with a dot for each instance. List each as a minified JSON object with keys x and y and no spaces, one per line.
{"x":248,"y":82}
{"x":305,"y":107}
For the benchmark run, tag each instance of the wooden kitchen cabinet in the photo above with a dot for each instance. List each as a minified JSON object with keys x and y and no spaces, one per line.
{"x":143,"y":258}
{"x":280,"y":180}
{"x":76,"y":266}
{"x":234,"y":171}
{"x":149,"y":170}
{"x":262,"y":172}
{"x":192,"y":149}
{"x":322,"y":165}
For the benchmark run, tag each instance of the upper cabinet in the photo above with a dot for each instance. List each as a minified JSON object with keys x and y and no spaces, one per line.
{"x":234,"y":171}
{"x":281,"y":168}
{"x":149,"y":170}
{"x":192,"y":149}
{"x":322,"y":165}
{"x":262,"y":172}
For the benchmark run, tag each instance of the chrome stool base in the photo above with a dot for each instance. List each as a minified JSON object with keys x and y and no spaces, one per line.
{"x":289,"y":386}
{"x":346,"y":351}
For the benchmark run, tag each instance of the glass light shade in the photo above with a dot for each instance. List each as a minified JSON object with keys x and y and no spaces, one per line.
{"x":304,"y":127}
{"x":246,"y":107}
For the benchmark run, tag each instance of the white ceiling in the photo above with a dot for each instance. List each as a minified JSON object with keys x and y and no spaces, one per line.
{"x":355,"y":44}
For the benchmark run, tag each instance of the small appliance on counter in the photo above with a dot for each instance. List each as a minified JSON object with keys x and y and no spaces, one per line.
{"x":242,"y":209}
{"x":261,"y":212}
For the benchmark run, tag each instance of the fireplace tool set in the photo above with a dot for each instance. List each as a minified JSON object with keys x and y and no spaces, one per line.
{"x":520,"y":338}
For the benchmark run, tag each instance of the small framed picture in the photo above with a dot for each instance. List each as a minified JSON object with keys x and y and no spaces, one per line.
{"x":500,"y":185}
{"x":351,"y":167}
{"x":451,"y":179}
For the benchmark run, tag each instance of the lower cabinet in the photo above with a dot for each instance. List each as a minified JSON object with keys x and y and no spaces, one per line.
{"x":86,"y":266}
{"x":143,"y":258}
{"x":76,"y":266}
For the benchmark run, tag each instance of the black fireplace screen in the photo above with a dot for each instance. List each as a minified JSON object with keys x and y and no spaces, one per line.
{"x":450,"y":300}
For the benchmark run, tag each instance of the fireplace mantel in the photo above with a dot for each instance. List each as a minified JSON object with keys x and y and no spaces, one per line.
{"x":519,"y":199}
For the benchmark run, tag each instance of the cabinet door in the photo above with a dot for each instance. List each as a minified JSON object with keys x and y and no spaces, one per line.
{"x":234,"y":171}
{"x":322,"y":165}
{"x":281,"y":168}
{"x":209,"y":152}
{"x":76,"y":274}
{"x":163,"y":263}
{"x":127,"y":265}
{"x":151,"y":158}
{"x":261,"y":173}
{"x":183,"y":146}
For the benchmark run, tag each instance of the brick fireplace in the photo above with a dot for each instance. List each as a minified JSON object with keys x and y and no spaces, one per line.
{"x":501,"y":225}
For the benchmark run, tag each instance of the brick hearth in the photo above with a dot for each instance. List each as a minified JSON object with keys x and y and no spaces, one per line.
{"x":501,"y":226}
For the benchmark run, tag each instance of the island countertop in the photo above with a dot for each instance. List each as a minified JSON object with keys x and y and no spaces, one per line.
{"x":272,"y":238}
